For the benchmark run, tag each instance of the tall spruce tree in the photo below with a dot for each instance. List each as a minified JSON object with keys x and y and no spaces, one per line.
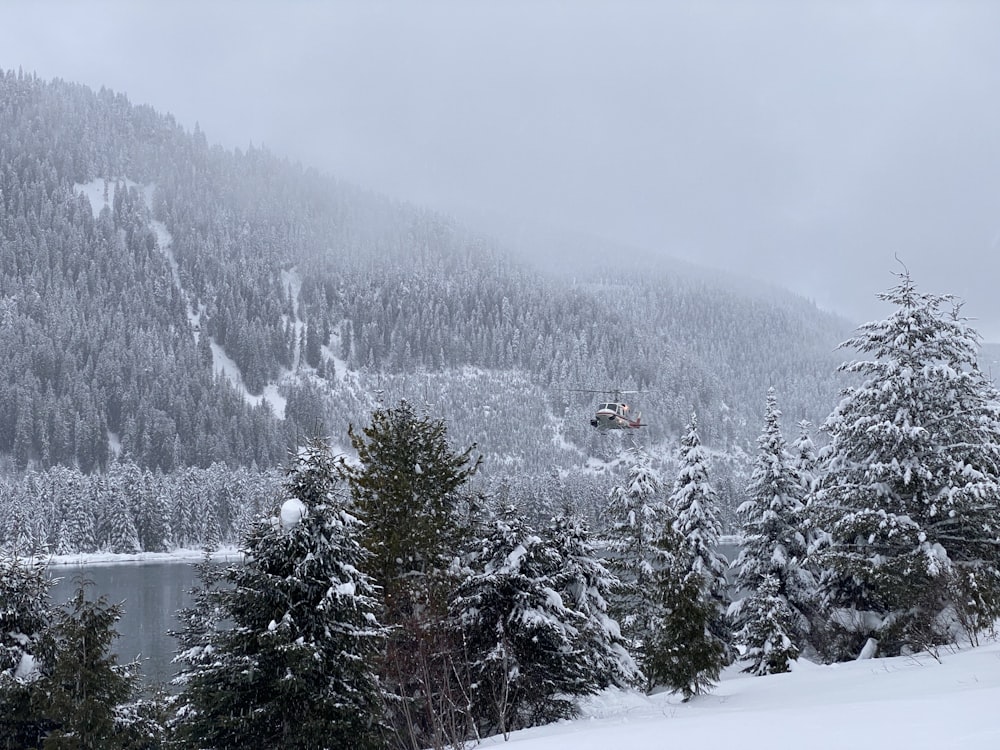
{"x":84,"y":691}
{"x":637,"y":516}
{"x":586,"y":585}
{"x":409,"y":489}
{"x":694,"y":506}
{"x":692,"y":645}
{"x":524,"y":649}
{"x":294,"y":669}
{"x":684,"y":652}
{"x":911,"y":483}
{"x":773,"y":552}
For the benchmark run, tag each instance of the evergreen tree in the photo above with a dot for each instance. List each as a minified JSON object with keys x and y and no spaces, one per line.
{"x":691,"y":645}
{"x":199,"y":623}
{"x":522,"y":643}
{"x":79,"y":534}
{"x":122,"y":535}
{"x":636,"y":519}
{"x":768,"y":629}
{"x":295,"y":668}
{"x":694,"y":506}
{"x":911,"y":485}
{"x":24,"y":616}
{"x":804,"y":459}
{"x":152,"y":514}
{"x":773,"y":550}
{"x":408,"y":490}
{"x":685,"y":653}
{"x":83,"y":692}
{"x":586,"y":585}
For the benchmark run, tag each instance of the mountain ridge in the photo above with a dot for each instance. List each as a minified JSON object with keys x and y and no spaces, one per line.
{"x":394,"y":300}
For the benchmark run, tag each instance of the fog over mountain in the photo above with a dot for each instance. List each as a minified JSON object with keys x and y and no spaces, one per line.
{"x":170,"y":259}
{"x":807,"y":144}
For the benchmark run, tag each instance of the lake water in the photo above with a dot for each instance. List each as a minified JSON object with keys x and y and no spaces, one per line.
{"x":152,"y":593}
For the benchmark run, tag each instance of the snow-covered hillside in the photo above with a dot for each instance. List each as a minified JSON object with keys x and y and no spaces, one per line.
{"x":101,"y":194}
{"x":905,"y":702}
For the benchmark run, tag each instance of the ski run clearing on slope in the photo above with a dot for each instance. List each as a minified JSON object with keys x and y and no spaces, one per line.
{"x":101,"y":194}
{"x":910,"y":702}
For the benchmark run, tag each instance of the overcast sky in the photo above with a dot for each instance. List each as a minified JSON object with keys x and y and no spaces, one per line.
{"x":806,"y":143}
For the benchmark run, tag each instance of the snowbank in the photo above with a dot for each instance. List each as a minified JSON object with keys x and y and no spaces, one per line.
{"x":905,"y":702}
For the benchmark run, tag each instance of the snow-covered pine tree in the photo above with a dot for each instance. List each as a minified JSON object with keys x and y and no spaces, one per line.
{"x":683,"y":654}
{"x":198,"y":625}
{"x":522,"y":643}
{"x":805,"y":462}
{"x":25,"y":611}
{"x":694,"y":507}
{"x":691,"y":644}
{"x":768,"y":629}
{"x":152,"y":514}
{"x":116,"y":527}
{"x":76,"y":526}
{"x":773,"y":551}
{"x":911,"y":483}
{"x":636,"y":518}
{"x":804,"y":459}
{"x":296,"y":667}
{"x":585,"y":585}
{"x":122,"y":536}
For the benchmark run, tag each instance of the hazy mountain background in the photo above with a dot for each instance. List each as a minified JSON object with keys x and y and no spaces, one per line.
{"x":183,"y":305}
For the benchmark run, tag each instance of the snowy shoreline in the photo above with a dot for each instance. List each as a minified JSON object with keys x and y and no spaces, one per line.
{"x":87,"y":559}
{"x":185,"y":555}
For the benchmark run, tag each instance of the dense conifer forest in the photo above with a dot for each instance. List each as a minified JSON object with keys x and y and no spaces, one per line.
{"x":199,"y":346}
{"x":170,"y":304}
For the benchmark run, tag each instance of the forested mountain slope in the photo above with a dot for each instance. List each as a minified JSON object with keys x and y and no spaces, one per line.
{"x":185,"y":305}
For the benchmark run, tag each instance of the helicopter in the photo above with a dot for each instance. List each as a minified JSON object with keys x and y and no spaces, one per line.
{"x":614,"y":414}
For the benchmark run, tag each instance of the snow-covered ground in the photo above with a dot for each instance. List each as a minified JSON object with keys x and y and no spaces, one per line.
{"x":87,"y":559}
{"x":883,"y":704}
{"x":101,"y":192}
{"x":223,"y":363}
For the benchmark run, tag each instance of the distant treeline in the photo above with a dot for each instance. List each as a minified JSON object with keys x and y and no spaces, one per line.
{"x":129,"y":509}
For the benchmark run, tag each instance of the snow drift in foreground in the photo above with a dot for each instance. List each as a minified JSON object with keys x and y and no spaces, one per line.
{"x":904,"y":702}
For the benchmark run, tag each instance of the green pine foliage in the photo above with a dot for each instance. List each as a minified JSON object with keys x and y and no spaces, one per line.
{"x":83,"y":692}
{"x":25,"y":611}
{"x":691,"y":643}
{"x":199,"y":623}
{"x":409,"y":488}
{"x":909,"y":494}
{"x":685,"y":653}
{"x":283,"y":654}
